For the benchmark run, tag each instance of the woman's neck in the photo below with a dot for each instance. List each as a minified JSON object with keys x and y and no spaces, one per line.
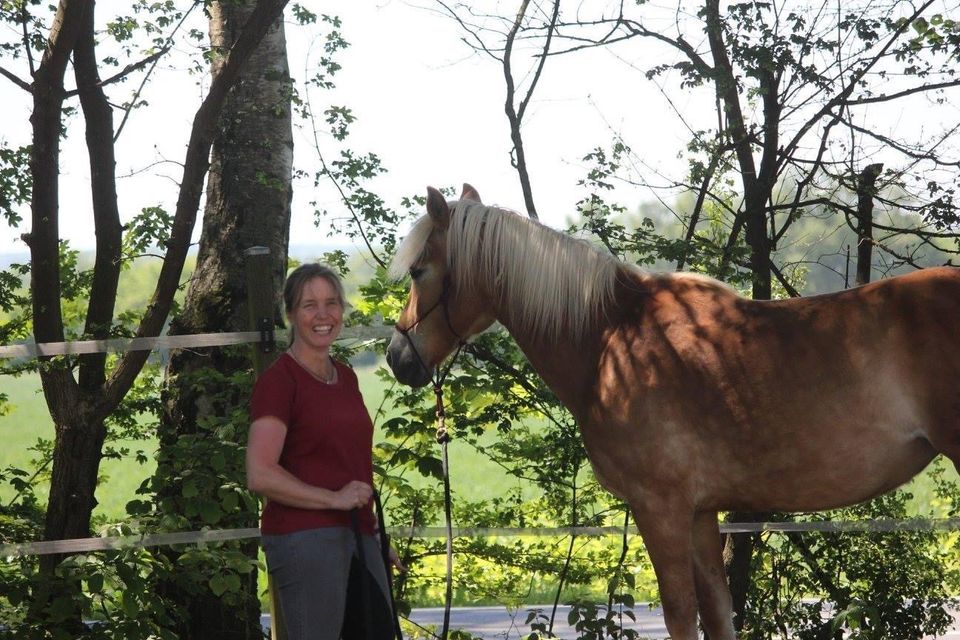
{"x":316,"y":361}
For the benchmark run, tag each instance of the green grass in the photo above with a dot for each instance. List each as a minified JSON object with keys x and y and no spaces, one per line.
{"x":473,"y":477}
{"x":28,"y":420}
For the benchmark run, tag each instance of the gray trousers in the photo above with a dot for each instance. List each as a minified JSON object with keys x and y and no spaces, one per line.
{"x":312,"y":574}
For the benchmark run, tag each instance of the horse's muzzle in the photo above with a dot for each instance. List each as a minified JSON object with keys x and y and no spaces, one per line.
{"x":407,"y":366}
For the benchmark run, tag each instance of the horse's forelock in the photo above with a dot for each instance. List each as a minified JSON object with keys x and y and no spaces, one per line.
{"x":410,"y":250}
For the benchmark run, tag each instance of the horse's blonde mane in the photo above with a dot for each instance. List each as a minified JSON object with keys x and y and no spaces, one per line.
{"x":551,"y":284}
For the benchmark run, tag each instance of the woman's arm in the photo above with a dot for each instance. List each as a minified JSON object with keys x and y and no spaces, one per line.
{"x":266,"y":477}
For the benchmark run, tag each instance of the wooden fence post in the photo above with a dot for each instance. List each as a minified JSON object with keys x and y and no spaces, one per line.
{"x":260,"y":309}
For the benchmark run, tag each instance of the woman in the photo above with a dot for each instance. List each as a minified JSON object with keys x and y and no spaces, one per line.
{"x":310,"y":455}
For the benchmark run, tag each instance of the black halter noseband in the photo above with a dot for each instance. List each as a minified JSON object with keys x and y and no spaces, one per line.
{"x":441,"y":303}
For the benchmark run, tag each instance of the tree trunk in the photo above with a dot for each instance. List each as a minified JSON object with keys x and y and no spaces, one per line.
{"x":737,"y":557}
{"x":77,"y":441}
{"x":757,"y":181}
{"x":248,"y":204}
{"x":866,"y":189}
{"x":79,"y":409}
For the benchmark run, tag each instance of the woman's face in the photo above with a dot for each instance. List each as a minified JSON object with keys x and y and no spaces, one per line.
{"x":318,"y":316}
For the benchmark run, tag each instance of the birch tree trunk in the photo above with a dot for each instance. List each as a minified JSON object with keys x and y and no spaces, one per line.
{"x":247,"y":204}
{"x":79,"y":405}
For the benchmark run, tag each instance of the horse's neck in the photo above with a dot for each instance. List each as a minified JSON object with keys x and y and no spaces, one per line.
{"x":568,"y":367}
{"x":568,"y":370}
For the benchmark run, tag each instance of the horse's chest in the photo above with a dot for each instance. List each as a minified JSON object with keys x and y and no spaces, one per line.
{"x":630,"y":453}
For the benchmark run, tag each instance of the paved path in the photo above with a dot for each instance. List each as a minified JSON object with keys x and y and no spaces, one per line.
{"x":506,"y":624}
{"x":500,"y":623}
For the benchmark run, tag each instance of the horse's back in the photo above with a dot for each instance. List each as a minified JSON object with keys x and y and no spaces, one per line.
{"x":795,"y":404}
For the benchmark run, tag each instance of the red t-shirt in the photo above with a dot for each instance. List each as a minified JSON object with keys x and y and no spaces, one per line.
{"x":329,"y":440}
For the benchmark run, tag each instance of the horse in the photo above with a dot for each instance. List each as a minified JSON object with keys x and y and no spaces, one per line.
{"x":690,"y":398}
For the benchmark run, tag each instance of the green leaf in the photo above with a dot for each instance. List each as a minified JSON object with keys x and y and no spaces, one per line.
{"x":129,"y":604}
{"x":218,"y":462}
{"x":430,"y":467}
{"x":60,"y":608}
{"x":230,"y":500}
{"x":95,"y":583}
{"x":190,"y":489}
{"x":218,"y":585}
{"x":210,"y":511}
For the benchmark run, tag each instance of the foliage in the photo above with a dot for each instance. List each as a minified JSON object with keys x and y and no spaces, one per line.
{"x":869,"y":585}
{"x":15,"y":187}
{"x":881,"y":585}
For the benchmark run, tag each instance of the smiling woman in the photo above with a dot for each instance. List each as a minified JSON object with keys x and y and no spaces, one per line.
{"x":309,"y":454}
{"x":314,"y":303}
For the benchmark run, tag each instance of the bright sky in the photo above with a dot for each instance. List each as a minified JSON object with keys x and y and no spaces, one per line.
{"x":429,"y":106}
{"x":426,"y":104}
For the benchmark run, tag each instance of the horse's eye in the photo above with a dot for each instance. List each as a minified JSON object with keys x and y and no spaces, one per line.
{"x":416,"y":272}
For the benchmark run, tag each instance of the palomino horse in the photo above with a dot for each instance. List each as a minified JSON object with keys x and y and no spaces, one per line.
{"x":692,"y":399}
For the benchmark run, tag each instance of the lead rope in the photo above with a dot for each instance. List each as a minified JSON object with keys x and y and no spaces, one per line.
{"x":443,"y":438}
{"x":364,"y":576}
{"x":385,"y":554}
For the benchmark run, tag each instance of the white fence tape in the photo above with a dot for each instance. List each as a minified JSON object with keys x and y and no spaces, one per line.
{"x":114,"y":345}
{"x":86,"y":545}
{"x":82,"y":545}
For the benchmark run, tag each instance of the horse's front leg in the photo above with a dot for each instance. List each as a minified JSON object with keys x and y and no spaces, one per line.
{"x":713,"y":592}
{"x":668,"y":537}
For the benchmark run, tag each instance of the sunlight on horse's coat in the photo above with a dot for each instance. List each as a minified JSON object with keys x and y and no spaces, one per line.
{"x":692,"y":399}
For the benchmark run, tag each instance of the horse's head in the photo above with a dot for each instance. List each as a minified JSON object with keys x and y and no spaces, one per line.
{"x":438,"y":315}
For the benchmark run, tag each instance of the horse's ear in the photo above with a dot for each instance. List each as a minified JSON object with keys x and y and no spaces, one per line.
{"x":437,"y":208}
{"x":469,"y":193}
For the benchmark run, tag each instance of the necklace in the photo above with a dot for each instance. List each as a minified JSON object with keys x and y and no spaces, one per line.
{"x":332,"y":379}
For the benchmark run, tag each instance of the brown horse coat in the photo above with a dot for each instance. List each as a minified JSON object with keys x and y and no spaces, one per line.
{"x":692,"y":399}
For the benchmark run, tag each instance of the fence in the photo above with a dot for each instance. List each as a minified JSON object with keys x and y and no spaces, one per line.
{"x":260,"y":296}
{"x":80,"y":545}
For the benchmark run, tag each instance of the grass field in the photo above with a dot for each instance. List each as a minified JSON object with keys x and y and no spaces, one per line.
{"x":473,"y":477}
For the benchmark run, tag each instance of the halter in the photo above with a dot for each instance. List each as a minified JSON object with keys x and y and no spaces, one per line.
{"x":439,"y":376}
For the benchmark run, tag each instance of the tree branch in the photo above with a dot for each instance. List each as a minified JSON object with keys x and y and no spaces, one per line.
{"x":9,"y":75}
{"x":902,"y":94}
{"x":195,"y":168}
{"x":514,"y":116}
{"x":98,"y":116}
{"x":842,"y":97}
{"x":152,"y":60}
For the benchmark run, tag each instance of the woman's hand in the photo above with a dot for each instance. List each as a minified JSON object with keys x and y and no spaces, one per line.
{"x":395,"y":560}
{"x":353,"y":495}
